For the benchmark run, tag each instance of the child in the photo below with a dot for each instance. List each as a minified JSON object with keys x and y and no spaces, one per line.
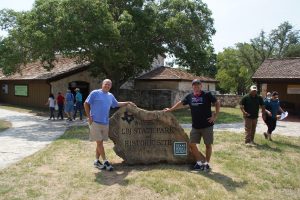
{"x":51,"y":103}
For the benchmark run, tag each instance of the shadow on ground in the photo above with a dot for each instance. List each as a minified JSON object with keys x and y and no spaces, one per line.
{"x":122,"y":170}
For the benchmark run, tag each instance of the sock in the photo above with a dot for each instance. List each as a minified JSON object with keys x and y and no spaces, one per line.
{"x":199,"y":162}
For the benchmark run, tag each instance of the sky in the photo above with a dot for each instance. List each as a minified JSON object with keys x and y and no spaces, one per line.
{"x":235,"y":20}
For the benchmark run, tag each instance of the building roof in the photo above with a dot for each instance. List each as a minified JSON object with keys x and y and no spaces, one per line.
{"x":35,"y":71}
{"x":168,"y":73}
{"x":278,"y":69}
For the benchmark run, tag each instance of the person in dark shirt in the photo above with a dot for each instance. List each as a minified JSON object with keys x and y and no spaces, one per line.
{"x":249,"y":105}
{"x":272,"y":107}
{"x":203,"y":119}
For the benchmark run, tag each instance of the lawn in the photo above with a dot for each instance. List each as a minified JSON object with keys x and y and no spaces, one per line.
{"x":226,"y":115}
{"x":24,"y":109}
{"x":4,"y":125}
{"x":64,"y":170}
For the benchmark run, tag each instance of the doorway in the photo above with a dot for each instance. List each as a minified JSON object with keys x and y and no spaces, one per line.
{"x":83,"y":86}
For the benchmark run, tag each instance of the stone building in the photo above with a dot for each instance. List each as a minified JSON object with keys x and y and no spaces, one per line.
{"x":163,"y":86}
{"x":173,"y":79}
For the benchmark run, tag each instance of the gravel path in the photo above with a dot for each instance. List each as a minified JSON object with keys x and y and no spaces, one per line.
{"x":283,"y":128}
{"x":28,"y":135}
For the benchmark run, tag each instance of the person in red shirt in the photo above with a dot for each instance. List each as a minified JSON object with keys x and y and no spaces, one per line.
{"x":60,"y":102}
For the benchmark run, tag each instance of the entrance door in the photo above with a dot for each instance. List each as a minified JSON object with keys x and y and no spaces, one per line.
{"x":83,"y":86}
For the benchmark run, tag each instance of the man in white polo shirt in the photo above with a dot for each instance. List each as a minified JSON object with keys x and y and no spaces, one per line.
{"x":97,"y":107}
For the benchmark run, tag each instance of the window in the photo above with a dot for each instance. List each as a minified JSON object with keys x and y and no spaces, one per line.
{"x":4,"y":88}
{"x":21,"y":90}
{"x":293,"y":89}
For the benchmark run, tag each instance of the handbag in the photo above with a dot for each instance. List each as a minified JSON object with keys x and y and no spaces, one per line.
{"x":56,"y":107}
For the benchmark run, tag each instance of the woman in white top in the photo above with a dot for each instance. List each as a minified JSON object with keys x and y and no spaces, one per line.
{"x":51,"y":103}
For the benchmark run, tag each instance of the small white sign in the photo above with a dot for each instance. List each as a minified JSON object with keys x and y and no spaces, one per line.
{"x":293,"y":89}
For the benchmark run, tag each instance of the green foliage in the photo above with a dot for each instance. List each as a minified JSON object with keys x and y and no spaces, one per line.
{"x":187,"y":27}
{"x":293,"y":51}
{"x":237,"y":65}
{"x":4,"y":125}
{"x":232,"y":72}
{"x":226,"y":115}
{"x":283,"y":37}
{"x":119,"y":38}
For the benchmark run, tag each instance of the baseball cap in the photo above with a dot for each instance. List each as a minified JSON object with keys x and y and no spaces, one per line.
{"x":196,"y":81}
{"x":253,"y":88}
{"x":77,"y":89}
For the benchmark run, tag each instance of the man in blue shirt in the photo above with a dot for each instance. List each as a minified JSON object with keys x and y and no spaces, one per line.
{"x":78,"y":104}
{"x":69,"y":108}
{"x":272,"y":107}
{"x":97,"y":107}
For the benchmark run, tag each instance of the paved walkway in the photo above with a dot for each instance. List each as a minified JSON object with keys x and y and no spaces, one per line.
{"x":31,"y":133}
{"x":283,"y":128}
{"x":28,"y":135}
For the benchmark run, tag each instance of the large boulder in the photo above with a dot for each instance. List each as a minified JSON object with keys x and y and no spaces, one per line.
{"x":144,"y":137}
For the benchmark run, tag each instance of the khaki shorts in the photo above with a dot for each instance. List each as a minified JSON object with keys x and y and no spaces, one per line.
{"x":206,"y":133}
{"x":98,"y":132}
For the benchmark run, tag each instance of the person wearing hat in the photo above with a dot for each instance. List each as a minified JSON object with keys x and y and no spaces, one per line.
{"x":250,"y":104}
{"x":202,"y":122}
{"x":78,"y":104}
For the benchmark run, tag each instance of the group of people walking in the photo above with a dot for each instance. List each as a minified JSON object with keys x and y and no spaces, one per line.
{"x":99,"y":101}
{"x":270,"y":107}
{"x":69,"y":103}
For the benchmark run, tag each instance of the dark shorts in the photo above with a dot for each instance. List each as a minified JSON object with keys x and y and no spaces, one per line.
{"x":206,"y":133}
{"x":271,"y":123}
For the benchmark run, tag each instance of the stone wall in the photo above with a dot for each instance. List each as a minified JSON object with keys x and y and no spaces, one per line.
{"x":229,"y":100}
{"x":62,"y":84}
{"x":148,"y":99}
{"x":160,"y":99}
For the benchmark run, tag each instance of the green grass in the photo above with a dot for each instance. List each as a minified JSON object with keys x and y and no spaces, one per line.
{"x":63,"y":170}
{"x":4,"y":125}
{"x":226,"y":115}
{"x":24,"y":109}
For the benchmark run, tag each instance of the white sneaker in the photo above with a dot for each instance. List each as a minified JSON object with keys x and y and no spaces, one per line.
{"x":98,"y":164}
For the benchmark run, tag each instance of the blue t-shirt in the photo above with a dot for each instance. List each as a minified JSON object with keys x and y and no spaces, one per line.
{"x":272,"y":106}
{"x":69,"y":96}
{"x":78,"y":97}
{"x":100,"y":103}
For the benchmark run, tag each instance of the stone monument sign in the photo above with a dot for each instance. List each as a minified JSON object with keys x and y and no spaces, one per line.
{"x":144,"y":137}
